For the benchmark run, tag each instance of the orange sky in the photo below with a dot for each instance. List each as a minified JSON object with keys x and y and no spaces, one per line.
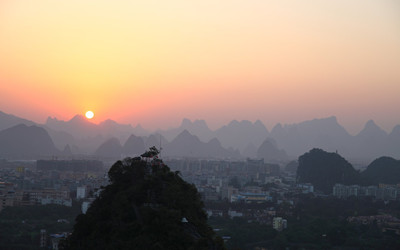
{"x":156,"y":62}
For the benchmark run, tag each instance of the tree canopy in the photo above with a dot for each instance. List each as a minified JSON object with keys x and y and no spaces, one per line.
{"x":145,"y":206}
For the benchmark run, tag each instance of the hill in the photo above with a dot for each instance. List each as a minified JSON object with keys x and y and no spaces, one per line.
{"x":146,"y":206}
{"x":188,"y":145}
{"x":238,"y":134}
{"x":324,"y":170}
{"x":8,"y":121}
{"x":109,"y":149}
{"x":237,"y":139}
{"x":324,"y":133}
{"x":270,"y":152}
{"x":135,"y":145}
{"x":382,"y":170}
{"x":26,"y":142}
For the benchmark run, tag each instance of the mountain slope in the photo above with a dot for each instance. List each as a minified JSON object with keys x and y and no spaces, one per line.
{"x":26,"y":142}
{"x":370,"y":142}
{"x":238,"y":135}
{"x":110,"y":149}
{"x":134,"y":146}
{"x":198,"y":128}
{"x":324,"y":133}
{"x":8,"y":121}
{"x":382,"y":170}
{"x":270,"y":152}
{"x":324,"y":170}
{"x":188,"y":145}
{"x":78,"y":126}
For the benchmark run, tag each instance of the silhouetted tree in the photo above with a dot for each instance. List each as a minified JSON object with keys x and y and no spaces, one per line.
{"x":146,"y":206}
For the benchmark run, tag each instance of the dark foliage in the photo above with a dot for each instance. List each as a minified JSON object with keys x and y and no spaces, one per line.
{"x":316,"y":223}
{"x":324,"y":170}
{"x":20,"y":226}
{"x":242,"y":234}
{"x":234,"y":182}
{"x":382,"y":170}
{"x":146,"y":206}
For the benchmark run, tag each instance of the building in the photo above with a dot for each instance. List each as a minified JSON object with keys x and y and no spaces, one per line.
{"x":278,"y":223}
{"x":63,"y":202}
{"x":7,"y":194}
{"x":227,"y":192}
{"x":233,"y":213}
{"x":69,"y":165}
{"x":339,"y":191}
{"x":250,"y":197}
{"x":306,"y":188}
{"x":81,"y":192}
{"x":209,"y":193}
{"x":43,"y":238}
{"x":383,"y":192}
{"x":38,"y":195}
{"x":55,"y":239}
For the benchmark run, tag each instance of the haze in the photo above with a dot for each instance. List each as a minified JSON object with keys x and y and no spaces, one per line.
{"x":155,"y":62}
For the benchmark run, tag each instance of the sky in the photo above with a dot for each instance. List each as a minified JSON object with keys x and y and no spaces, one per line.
{"x":156,"y":62}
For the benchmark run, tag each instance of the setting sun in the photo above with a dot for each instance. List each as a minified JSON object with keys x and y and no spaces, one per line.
{"x":89,"y":114}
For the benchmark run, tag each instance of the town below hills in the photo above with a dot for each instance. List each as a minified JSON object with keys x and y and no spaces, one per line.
{"x":324,"y":170}
{"x":109,"y":140}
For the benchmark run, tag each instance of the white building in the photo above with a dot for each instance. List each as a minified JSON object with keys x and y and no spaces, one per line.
{"x":81,"y":192}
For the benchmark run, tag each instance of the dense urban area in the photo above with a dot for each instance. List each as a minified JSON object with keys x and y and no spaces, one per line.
{"x":249,"y":203}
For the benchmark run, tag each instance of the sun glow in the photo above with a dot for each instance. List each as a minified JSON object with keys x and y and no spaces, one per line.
{"x":89,"y":114}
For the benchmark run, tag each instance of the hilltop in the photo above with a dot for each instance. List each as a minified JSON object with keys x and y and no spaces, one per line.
{"x":324,"y":170}
{"x":146,"y":206}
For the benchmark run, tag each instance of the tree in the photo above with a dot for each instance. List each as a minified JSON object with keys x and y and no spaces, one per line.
{"x":146,"y":206}
{"x":235,"y":182}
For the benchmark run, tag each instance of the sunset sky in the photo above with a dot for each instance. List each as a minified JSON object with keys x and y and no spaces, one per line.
{"x":156,"y":62}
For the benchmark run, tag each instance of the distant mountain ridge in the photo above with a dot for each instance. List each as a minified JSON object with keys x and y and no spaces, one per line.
{"x":328,"y":134}
{"x":8,"y":121}
{"x":324,"y":133}
{"x":84,"y":137}
{"x":185,"y":145}
{"x":188,"y":145}
{"x":26,"y":142}
{"x":270,"y":152}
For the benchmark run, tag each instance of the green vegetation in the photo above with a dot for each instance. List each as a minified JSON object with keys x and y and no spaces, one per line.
{"x":146,"y":206}
{"x":316,"y":223}
{"x":20,"y":226}
{"x":241,"y":233}
{"x":322,"y":223}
